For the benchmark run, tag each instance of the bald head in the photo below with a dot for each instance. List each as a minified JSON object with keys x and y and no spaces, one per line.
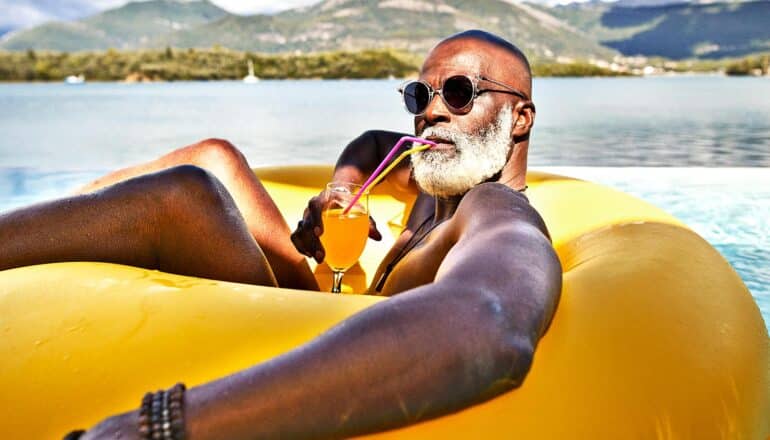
{"x":511,"y":61}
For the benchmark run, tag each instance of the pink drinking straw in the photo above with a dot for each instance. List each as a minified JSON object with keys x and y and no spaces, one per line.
{"x":382,"y":165}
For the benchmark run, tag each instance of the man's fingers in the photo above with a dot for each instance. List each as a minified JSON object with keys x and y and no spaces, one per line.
{"x":298,"y":240}
{"x":316,"y":249}
{"x":305,"y":238}
{"x":315,"y":206}
{"x":374,"y":234}
{"x":307,"y":242}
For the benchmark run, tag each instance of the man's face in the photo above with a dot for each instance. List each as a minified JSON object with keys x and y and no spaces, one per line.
{"x":472,"y":146}
{"x":463,"y":160}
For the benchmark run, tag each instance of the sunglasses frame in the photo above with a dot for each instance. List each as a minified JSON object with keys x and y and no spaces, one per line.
{"x":476,"y":92}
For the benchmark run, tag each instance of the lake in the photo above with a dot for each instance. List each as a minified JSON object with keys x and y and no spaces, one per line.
{"x":668,"y":121}
{"x":698,"y":146}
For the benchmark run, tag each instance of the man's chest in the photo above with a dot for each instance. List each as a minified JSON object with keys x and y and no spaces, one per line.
{"x":414,"y":260}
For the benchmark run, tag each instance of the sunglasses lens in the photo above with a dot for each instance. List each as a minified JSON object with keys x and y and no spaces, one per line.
{"x":416,"y":97}
{"x":458,"y":91}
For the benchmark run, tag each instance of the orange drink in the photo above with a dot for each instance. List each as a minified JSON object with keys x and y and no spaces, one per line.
{"x":344,"y":234}
{"x":344,"y":237}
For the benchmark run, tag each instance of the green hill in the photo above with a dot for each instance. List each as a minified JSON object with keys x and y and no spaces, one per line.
{"x":414,"y":25}
{"x":131,"y":25}
{"x":675,"y":31}
{"x":579,"y":30}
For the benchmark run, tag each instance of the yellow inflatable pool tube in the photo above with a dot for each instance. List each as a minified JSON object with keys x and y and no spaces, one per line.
{"x":655,"y":335}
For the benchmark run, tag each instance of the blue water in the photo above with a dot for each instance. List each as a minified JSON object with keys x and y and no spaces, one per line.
{"x":705,"y":141}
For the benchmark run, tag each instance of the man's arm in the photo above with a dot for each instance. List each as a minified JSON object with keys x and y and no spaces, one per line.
{"x":430,"y":351}
{"x":361,"y":156}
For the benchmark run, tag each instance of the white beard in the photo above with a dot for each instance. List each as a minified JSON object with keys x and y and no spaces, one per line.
{"x":478,"y":156}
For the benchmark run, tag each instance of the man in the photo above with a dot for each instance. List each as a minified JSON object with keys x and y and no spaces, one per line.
{"x":474,"y":276}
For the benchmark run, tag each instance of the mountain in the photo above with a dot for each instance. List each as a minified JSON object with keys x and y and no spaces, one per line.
{"x":129,"y":26}
{"x":414,"y":25}
{"x":676,"y":31}
{"x":593,"y":29}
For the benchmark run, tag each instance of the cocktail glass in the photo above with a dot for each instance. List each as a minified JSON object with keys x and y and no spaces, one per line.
{"x":345,"y":233}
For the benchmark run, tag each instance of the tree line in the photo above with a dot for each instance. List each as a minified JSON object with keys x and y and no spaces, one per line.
{"x":221,"y":64}
{"x":756,"y":65}
{"x":201,"y":64}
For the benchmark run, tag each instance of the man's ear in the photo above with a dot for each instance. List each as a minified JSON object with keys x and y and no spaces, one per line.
{"x":525,"y":118}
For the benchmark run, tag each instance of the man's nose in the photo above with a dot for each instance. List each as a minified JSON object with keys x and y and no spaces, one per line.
{"x":437,"y":110}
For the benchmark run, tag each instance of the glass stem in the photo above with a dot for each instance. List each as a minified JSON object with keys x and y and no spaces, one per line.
{"x":337,"y":284}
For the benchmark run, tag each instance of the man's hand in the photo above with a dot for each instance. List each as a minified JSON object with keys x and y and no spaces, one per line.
{"x":305,"y":237}
{"x":310,"y":228}
{"x":123,"y":427}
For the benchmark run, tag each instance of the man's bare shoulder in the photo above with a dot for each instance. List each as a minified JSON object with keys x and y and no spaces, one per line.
{"x":491,"y":204}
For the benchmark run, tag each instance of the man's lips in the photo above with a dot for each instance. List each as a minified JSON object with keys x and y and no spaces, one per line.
{"x":441,"y":144}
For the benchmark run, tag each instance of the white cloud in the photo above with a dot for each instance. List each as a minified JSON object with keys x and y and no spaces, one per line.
{"x":13,"y":14}
{"x":26,"y":13}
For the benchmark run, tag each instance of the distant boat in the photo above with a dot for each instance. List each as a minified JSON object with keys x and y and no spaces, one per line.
{"x":73,"y":79}
{"x":250,"y":78}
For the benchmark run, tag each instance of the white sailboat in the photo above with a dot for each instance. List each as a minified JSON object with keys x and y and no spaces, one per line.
{"x":75,"y":79}
{"x":250,"y":78}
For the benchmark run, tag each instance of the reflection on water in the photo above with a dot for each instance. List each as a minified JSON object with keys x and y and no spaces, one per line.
{"x":693,"y":121}
{"x":24,"y":186}
{"x":677,"y":121}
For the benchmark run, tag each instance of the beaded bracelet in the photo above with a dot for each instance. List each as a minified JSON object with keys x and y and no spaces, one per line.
{"x":161,"y":415}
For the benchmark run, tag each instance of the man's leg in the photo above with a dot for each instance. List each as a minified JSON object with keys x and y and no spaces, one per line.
{"x":262,"y":216}
{"x":180,"y":220}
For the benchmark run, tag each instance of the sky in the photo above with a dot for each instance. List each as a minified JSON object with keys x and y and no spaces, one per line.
{"x":16,"y":14}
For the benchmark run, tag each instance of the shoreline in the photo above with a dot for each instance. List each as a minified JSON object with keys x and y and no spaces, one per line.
{"x":237,"y":80}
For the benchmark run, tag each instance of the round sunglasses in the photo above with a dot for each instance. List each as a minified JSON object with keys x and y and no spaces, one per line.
{"x":458,"y":93}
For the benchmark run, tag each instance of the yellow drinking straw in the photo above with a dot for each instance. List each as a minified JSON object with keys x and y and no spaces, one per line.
{"x":395,"y":162}
{"x":377,"y":175}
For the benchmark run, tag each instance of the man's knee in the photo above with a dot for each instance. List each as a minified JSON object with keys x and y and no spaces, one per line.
{"x":219,"y":151}
{"x":188,"y":185}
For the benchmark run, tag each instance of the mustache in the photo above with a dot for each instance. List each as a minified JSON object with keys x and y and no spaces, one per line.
{"x":444,"y":133}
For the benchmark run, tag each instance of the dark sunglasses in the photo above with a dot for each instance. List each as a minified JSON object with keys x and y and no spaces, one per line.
{"x":458,"y":93}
